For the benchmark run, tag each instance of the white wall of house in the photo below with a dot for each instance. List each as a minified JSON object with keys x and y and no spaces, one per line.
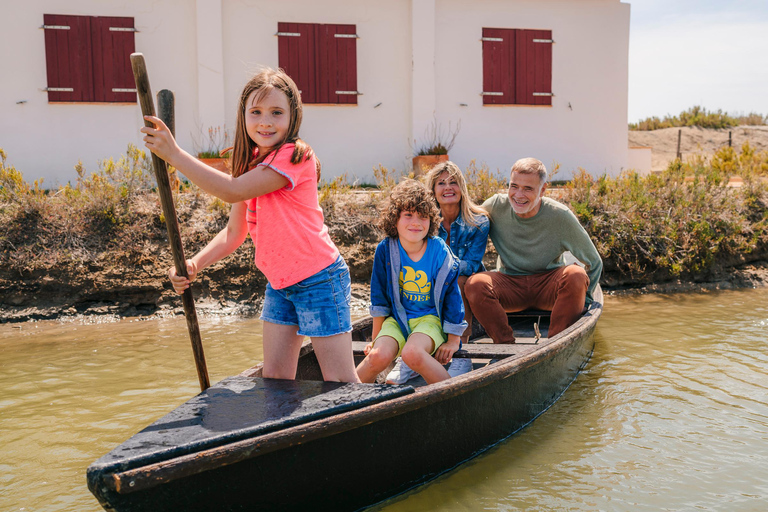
{"x":417,"y":60}
{"x":586,"y":126}
{"x":48,"y":139}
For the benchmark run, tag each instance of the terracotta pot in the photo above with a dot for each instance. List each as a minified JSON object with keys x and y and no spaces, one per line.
{"x":423,"y":163}
{"x":216,"y":163}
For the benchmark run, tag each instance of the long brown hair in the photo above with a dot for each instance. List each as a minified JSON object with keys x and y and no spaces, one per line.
{"x":469,"y":210}
{"x":264,"y":82}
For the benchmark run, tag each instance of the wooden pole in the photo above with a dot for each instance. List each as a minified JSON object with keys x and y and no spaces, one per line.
{"x":729,"y":139}
{"x":171,"y":222}
{"x":679,"y":136}
{"x":166,"y":110}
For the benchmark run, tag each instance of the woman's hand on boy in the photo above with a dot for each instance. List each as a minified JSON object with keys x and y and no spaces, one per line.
{"x":159,"y":139}
{"x":181,"y":283}
{"x":445,"y":352}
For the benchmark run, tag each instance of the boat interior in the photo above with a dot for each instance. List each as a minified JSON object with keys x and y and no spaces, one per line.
{"x":246,"y":405}
{"x":530,"y":328}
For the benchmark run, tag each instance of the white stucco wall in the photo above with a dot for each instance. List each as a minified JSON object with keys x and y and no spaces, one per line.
{"x":415,"y":59}
{"x":347,"y":139}
{"x":589,"y":73}
{"x":47,"y":139}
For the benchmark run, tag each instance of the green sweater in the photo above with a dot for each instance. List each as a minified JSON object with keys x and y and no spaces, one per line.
{"x":536,"y":245}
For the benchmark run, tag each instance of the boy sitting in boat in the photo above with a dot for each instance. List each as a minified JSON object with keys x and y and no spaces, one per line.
{"x":415,"y":298}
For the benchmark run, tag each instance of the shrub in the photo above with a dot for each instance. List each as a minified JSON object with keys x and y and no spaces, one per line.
{"x":698,"y":116}
{"x":482,"y":183}
{"x":679,"y":223}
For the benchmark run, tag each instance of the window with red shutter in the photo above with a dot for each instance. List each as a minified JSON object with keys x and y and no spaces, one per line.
{"x":517,"y":66}
{"x":88,"y":58}
{"x":321,"y":59}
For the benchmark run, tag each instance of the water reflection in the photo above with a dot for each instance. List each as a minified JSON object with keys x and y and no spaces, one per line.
{"x":670,"y":413}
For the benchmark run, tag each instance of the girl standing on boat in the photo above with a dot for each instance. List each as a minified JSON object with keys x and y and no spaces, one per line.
{"x":273,"y":191}
{"x":464,"y":227}
{"x":415,"y":299}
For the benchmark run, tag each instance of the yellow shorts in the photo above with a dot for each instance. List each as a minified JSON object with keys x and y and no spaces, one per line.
{"x":427,"y":324}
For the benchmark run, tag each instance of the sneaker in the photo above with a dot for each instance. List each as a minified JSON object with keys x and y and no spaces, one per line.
{"x":401,"y":373}
{"x":459,"y":366}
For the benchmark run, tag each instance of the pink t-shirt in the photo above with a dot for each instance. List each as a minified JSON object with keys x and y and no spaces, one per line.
{"x":287,"y":226}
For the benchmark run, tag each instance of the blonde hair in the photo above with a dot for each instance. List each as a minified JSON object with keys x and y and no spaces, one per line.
{"x":469,"y":210}
{"x":531,"y":166}
{"x":267,"y":80}
{"x":408,"y":196}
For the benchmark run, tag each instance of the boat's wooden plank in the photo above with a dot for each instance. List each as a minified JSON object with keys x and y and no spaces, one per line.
{"x":481,"y":349}
{"x":240,"y":408}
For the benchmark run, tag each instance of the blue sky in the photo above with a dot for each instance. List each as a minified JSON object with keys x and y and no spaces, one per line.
{"x":698,"y":52}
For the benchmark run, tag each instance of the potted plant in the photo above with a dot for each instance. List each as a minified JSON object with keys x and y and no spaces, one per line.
{"x":215,"y":149}
{"x":435,"y":146}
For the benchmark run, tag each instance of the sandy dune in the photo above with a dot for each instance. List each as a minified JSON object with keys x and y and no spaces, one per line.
{"x":696,"y":140}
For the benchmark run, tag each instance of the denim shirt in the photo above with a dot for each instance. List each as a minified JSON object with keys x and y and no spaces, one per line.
{"x":468,"y":243}
{"x":385,"y":288}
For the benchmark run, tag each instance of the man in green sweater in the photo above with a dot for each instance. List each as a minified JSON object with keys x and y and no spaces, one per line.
{"x":531,"y":232}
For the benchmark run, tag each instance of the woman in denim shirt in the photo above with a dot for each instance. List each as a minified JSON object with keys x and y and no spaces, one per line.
{"x":464,"y":227}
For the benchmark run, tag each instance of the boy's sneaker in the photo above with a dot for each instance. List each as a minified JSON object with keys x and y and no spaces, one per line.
{"x":459,"y":366}
{"x":401,"y":373}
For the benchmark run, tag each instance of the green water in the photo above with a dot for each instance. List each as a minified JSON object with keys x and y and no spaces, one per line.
{"x":670,"y":413}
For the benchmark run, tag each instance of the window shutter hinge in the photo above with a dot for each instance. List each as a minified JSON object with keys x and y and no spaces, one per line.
{"x":492,"y":39}
{"x":348,"y":93}
{"x":544,"y":41}
{"x":58,"y":89}
{"x":491,"y":93}
{"x":350,"y":36}
{"x":288,"y":34}
{"x":543,"y":94}
{"x":122,"y":29}
{"x":55,"y":27}
{"x":124,"y":90}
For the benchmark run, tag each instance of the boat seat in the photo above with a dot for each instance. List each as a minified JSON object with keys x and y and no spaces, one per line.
{"x":240,"y":408}
{"x":468,"y":350}
{"x":530,"y":312}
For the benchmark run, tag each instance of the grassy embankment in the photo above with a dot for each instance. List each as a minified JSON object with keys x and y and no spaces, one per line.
{"x":103,"y":240}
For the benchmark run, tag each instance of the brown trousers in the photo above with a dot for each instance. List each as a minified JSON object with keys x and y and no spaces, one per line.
{"x":492,"y":294}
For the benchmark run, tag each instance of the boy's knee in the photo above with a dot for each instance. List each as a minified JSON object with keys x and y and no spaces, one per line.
{"x":413,"y":356}
{"x":379,"y":358}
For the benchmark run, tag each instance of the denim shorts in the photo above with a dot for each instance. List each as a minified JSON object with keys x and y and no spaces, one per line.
{"x":319,"y":305}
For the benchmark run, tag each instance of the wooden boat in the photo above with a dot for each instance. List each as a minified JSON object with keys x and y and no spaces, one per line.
{"x":249,"y":443}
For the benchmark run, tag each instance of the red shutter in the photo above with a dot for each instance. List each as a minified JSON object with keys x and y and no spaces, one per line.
{"x":113,"y":44}
{"x":68,"y":56}
{"x":534,"y":67}
{"x":319,"y":62}
{"x":325,"y":60}
{"x":344,"y":63}
{"x":519,"y":67}
{"x":498,"y":66}
{"x":293,"y":52}
{"x":542,"y":51}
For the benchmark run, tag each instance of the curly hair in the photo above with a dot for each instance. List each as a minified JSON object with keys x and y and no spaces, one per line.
{"x":409,"y":196}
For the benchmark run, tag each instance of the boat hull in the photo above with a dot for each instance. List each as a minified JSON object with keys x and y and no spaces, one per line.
{"x":359,"y":458}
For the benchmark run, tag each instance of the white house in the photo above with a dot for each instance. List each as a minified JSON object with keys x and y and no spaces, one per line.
{"x":543,"y":78}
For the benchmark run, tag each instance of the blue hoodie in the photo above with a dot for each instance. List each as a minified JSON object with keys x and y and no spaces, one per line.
{"x":385,"y":287}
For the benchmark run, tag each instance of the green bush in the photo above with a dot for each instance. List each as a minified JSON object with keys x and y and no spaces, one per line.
{"x":679,"y":223}
{"x":698,"y":116}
